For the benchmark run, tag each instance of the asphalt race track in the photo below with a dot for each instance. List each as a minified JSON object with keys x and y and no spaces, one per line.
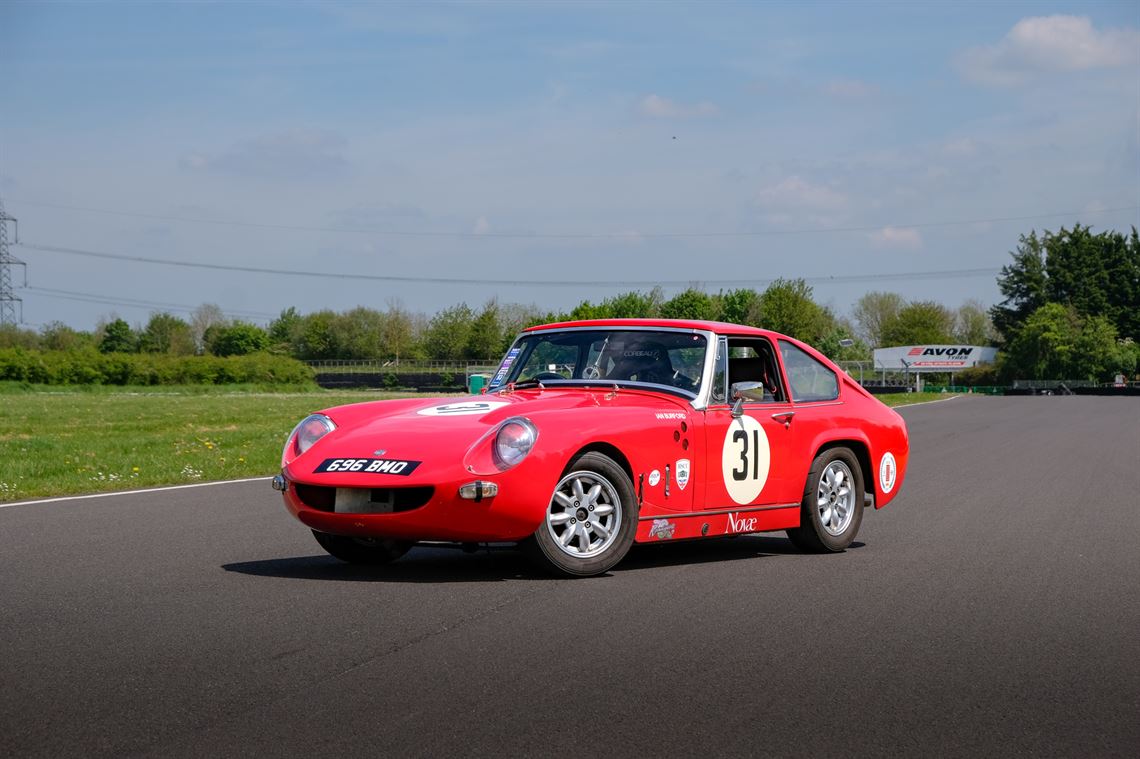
{"x":993,"y":609}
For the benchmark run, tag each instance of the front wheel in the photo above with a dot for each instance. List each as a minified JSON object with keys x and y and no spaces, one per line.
{"x":832,"y":508}
{"x":591,"y":520}
{"x":372,"y":551}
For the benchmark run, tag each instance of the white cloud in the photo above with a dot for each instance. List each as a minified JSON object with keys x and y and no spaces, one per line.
{"x":301,"y":154}
{"x":850,"y":89}
{"x":894,"y":237}
{"x":658,"y":107}
{"x":961,"y":148}
{"x":797,"y":194}
{"x":1049,"y":44}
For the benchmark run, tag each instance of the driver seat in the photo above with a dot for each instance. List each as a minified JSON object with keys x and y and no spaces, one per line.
{"x":648,"y":363}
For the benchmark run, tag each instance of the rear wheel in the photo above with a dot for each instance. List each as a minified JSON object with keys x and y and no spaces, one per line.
{"x":832,"y":508}
{"x":591,"y":520}
{"x":363,"y":550}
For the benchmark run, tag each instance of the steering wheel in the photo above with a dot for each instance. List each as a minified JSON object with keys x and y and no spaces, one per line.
{"x":547,"y":376}
{"x":683,"y":382}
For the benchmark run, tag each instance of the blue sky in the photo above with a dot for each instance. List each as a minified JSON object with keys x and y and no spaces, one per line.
{"x":679,"y":143}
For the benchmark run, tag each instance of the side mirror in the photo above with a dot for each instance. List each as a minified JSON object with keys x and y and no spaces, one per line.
{"x":742,"y":391}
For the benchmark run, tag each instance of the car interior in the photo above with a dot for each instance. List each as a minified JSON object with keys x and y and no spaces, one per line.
{"x":755,"y":362}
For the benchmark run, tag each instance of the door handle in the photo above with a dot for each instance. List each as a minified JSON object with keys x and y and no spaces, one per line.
{"x":785,"y":417}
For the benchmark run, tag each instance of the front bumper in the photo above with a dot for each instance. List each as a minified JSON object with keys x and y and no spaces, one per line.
{"x":513,"y":513}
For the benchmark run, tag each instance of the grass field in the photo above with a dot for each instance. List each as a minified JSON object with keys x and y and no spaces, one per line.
{"x":55,"y":442}
{"x":63,"y":442}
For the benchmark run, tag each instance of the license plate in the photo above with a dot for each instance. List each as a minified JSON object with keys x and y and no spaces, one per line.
{"x":368,"y":466}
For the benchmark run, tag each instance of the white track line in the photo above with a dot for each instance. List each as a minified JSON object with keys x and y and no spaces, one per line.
{"x":255,"y":479}
{"x":132,"y":492}
{"x":923,"y":403}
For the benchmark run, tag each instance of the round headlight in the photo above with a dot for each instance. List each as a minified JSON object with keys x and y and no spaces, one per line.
{"x":514,"y":441}
{"x":311,"y":429}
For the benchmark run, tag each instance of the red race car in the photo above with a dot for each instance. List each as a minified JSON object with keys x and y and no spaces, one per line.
{"x":594,"y":435}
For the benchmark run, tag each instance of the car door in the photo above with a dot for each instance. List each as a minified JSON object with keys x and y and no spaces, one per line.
{"x":747,"y":457}
{"x":814,"y":390}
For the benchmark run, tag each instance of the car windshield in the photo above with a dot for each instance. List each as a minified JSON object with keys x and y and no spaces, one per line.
{"x":665,"y":358}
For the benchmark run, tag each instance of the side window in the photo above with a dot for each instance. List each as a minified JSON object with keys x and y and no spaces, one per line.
{"x":809,"y":379}
{"x":755,"y":361}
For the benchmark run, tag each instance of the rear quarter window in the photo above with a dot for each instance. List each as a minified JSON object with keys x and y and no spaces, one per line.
{"x":809,"y":379}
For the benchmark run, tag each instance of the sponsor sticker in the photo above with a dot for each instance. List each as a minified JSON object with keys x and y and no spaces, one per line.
{"x":369,"y":466}
{"x":682,"y":473}
{"x":888,"y":470}
{"x":745,"y":459}
{"x":737,"y":523}
{"x":662,"y":529}
{"x":671,"y":415}
{"x":467,"y":408}
{"x":654,"y":477}
{"x":505,"y":367}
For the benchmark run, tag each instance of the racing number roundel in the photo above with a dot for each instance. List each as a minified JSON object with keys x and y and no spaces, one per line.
{"x":745,"y":459}
{"x":887,"y":472}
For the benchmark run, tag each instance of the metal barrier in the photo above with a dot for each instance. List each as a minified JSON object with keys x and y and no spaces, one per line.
{"x":385,"y":366}
{"x":966,"y":389}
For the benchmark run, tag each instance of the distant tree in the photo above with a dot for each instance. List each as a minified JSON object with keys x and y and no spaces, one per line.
{"x":1097,"y":355}
{"x":920,"y":322}
{"x":1095,"y":274}
{"x":238,"y":339}
{"x":14,"y":336}
{"x":166,"y":333}
{"x":972,"y":325}
{"x":118,"y":337}
{"x":445,"y":338}
{"x":57,"y":336}
{"x":588,"y":310}
{"x":514,"y":318}
{"x":1024,"y":285}
{"x":735,"y":306}
{"x":399,"y":332}
{"x":830,"y":344}
{"x":485,"y":337}
{"x":360,"y":334}
{"x":787,"y":306}
{"x":1043,"y":345}
{"x":689,"y":304}
{"x":202,"y":319}
{"x":318,"y":337}
{"x":634,"y":305}
{"x":873,"y":312}
{"x":285,"y":330}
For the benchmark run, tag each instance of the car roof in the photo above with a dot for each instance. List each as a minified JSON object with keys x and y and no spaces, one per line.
{"x":723,"y":328}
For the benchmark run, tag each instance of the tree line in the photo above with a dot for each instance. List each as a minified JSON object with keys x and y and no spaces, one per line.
{"x":1071,"y":310}
{"x":459,"y":332}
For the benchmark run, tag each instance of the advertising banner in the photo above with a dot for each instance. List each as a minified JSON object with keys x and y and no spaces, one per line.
{"x":932,"y":358}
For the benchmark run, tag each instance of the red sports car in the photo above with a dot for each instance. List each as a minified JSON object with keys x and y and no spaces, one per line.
{"x":594,"y":435}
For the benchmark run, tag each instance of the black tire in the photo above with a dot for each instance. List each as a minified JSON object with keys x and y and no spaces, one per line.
{"x":813,"y":535}
{"x":372,"y":551}
{"x":546,"y":546}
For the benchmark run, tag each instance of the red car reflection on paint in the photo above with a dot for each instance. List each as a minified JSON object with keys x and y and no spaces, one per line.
{"x":594,"y":435}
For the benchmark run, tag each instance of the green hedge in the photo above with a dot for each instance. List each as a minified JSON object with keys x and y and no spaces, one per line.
{"x":93,"y":368}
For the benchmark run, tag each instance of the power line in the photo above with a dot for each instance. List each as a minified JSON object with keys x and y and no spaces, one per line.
{"x":943,"y":274}
{"x":132,"y":302}
{"x":574,"y":235}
